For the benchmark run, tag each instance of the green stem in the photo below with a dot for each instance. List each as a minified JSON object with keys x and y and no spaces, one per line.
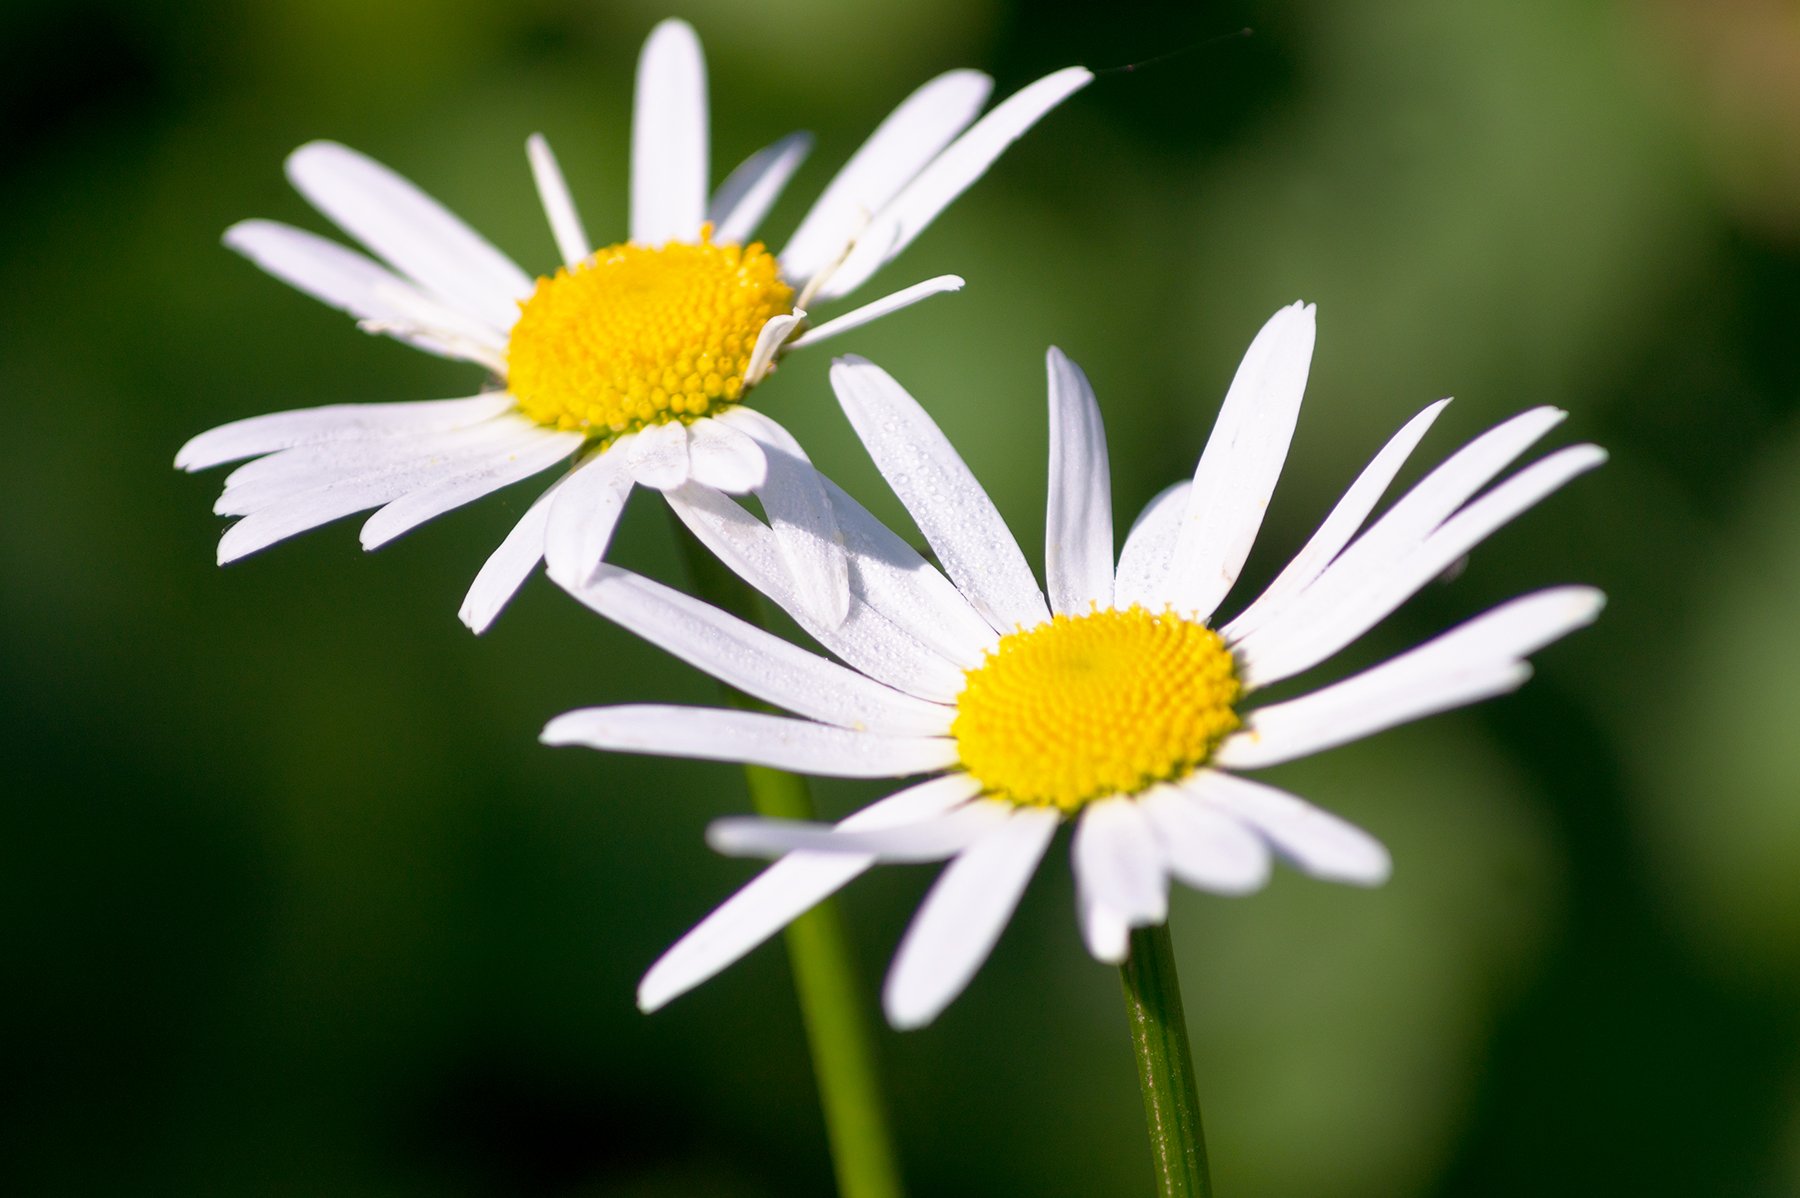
{"x":1165,"y":1065}
{"x":831,"y":1000}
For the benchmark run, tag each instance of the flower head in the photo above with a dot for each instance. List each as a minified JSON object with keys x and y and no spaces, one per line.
{"x":1116,"y":704}
{"x":630,"y":361}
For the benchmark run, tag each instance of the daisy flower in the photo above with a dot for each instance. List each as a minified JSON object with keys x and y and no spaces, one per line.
{"x":631,"y":362}
{"x":1114,"y":705}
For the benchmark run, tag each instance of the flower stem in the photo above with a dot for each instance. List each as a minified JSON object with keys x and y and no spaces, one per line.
{"x":825,"y":981}
{"x":1159,"y":1039}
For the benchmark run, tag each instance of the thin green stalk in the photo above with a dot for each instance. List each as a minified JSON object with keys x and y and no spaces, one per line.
{"x":1159,"y":1039}
{"x":831,"y":1000}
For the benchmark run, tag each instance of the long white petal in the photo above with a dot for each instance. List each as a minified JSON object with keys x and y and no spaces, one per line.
{"x":1402,"y":529}
{"x":963,"y":916}
{"x":948,"y":176}
{"x":923,"y":124}
{"x":669,"y":138}
{"x":875,"y":310}
{"x":507,"y":568}
{"x":1316,"y":841}
{"x":1203,"y":847}
{"x":658,"y":456}
{"x":752,"y":189}
{"x":1479,"y":658}
{"x":335,"y":423}
{"x":1149,"y":553}
{"x":758,"y":662}
{"x":1119,"y":863}
{"x":559,"y":206}
{"x":321,"y":505}
{"x":466,"y":486}
{"x":891,"y":577}
{"x":430,"y":456}
{"x":723,"y":457}
{"x":785,"y":891}
{"x":750,"y":738}
{"x":1078,"y":532}
{"x":1342,"y":524}
{"x":1330,"y":617}
{"x":584,"y":514}
{"x":414,"y":233}
{"x":1236,"y":476}
{"x":350,"y":282}
{"x":945,"y":500}
{"x":933,"y":839}
{"x":793,"y":496}
{"x":867,"y":639}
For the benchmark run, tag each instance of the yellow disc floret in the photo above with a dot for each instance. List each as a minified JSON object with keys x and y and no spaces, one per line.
{"x":1085,"y":707}
{"x":640,"y":335}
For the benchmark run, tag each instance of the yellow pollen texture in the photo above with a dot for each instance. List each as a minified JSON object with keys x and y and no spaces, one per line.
{"x":1085,"y":707}
{"x":640,"y":335}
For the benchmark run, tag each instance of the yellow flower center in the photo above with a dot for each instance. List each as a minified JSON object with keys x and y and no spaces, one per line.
{"x":1085,"y":707}
{"x":640,"y":335}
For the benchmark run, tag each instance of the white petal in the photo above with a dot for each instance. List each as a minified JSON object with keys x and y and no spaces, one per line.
{"x":931,"y":839}
{"x":857,"y":317}
{"x":350,"y":282}
{"x":867,"y":639}
{"x":891,"y":577}
{"x":658,"y":456}
{"x":585,"y":513}
{"x":669,"y":138}
{"x":784,"y":892}
{"x":429,"y":456}
{"x":963,"y":916}
{"x":1342,"y":524}
{"x":1331,"y":616}
{"x":769,"y":341}
{"x":911,"y":136}
{"x":559,"y":206}
{"x":1149,"y":554}
{"x":1078,"y":533}
{"x":335,"y":423}
{"x":1243,"y":457}
{"x":507,"y":568}
{"x":1482,"y":657}
{"x":1204,"y":847}
{"x":723,"y":457}
{"x":467,"y":485}
{"x":750,"y":738}
{"x":1118,"y":862}
{"x":748,"y":193}
{"x":1316,"y":841}
{"x":1107,"y":935}
{"x":1404,"y":527}
{"x":321,"y":505}
{"x":948,"y":176}
{"x":758,"y":662}
{"x":1285,"y":731}
{"x":414,"y":233}
{"x":948,"y":505}
{"x":794,"y":498}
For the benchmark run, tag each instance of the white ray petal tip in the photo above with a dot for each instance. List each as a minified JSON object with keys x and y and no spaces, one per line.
{"x":733,"y":836}
{"x":566,"y":729}
{"x":908,"y":1012}
{"x":651,"y":1000}
{"x":673,"y":27}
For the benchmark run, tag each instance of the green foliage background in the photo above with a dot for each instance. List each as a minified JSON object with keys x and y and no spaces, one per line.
{"x":291,"y":901}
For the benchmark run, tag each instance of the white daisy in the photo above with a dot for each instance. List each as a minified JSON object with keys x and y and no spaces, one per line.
{"x":1114,"y":706}
{"x":631,"y":360}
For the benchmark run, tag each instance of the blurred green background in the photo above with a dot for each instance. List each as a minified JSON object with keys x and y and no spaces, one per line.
{"x":294,"y":903}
